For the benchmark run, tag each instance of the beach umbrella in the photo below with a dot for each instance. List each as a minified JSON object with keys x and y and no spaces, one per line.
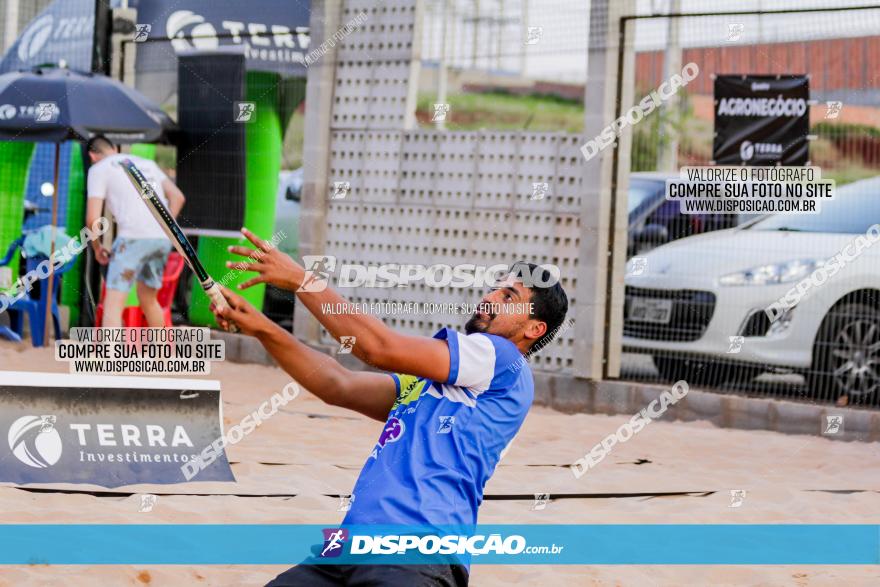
{"x":54,"y":105}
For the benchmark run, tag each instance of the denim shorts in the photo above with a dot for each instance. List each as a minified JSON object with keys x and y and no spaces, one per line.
{"x":137,"y":259}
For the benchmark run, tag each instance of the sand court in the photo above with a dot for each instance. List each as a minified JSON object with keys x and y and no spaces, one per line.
{"x":294,"y":468}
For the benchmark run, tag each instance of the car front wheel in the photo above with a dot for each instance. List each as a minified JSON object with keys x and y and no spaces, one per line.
{"x":846,"y":354}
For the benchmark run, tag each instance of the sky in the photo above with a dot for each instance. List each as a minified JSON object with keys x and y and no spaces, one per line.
{"x":560,"y":53}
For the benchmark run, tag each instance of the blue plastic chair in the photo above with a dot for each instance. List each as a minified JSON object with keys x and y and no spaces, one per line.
{"x":5,"y":331}
{"x":35,"y":309}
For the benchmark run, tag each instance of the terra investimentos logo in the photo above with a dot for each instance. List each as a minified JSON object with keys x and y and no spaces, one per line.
{"x":35,"y":441}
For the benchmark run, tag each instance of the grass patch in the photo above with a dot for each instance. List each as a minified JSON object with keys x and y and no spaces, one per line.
{"x":503,"y":111}
{"x":294,"y":139}
{"x":848,"y":173}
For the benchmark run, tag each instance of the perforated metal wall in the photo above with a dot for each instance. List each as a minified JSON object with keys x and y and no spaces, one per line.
{"x":427,"y":197}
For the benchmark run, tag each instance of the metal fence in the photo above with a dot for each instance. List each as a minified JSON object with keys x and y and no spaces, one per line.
{"x":697,"y":287}
{"x":695,"y":299}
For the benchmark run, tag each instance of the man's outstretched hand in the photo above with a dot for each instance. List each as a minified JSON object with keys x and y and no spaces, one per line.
{"x":240,"y":312}
{"x":272,"y":266}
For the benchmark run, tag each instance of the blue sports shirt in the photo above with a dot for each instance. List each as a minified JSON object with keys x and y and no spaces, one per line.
{"x":443,"y":439}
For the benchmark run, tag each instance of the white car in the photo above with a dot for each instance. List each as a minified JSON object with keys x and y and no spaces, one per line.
{"x":699,"y":303}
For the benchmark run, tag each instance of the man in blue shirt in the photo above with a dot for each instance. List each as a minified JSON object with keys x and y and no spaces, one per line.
{"x":451,"y":403}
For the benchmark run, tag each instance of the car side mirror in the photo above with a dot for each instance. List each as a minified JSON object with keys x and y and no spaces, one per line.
{"x":655,"y":234}
{"x":292,"y":194}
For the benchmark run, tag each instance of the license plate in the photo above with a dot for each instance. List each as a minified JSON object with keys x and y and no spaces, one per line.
{"x":650,"y":310}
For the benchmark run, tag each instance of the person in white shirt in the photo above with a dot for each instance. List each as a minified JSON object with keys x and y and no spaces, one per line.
{"x":141,"y":248}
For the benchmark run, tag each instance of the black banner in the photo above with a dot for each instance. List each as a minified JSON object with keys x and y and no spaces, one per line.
{"x":272,"y":35}
{"x":211,"y":145}
{"x":107,"y":431}
{"x":761,"y":120}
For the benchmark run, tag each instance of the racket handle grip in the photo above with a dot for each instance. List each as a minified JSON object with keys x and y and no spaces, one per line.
{"x":219,"y":301}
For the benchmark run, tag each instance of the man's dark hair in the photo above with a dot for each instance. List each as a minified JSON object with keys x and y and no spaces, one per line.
{"x":549,"y":302}
{"x":99,"y":144}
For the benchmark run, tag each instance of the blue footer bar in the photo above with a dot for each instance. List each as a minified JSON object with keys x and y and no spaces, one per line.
{"x":171,"y":544}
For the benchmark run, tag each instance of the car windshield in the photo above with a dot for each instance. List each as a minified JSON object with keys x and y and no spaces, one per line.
{"x":854,"y":209}
{"x":640,"y":191}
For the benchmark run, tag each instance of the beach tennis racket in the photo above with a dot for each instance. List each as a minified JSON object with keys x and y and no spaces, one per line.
{"x":178,"y":239}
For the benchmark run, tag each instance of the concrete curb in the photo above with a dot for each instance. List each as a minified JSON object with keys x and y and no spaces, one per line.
{"x":241,"y":348}
{"x":572,"y":395}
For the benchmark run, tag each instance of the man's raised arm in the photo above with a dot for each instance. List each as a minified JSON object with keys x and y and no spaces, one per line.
{"x":371,"y":394}
{"x":375,"y":343}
